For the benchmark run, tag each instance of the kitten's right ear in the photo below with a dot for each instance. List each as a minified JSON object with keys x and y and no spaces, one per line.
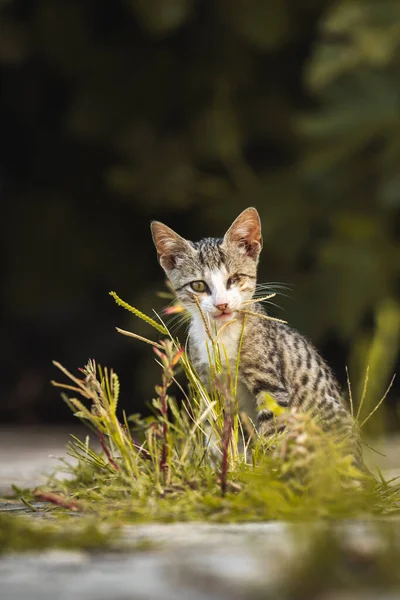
{"x":246,"y":232}
{"x":168,"y":244}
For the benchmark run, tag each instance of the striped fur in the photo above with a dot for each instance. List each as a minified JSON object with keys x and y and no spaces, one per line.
{"x":275,"y":358}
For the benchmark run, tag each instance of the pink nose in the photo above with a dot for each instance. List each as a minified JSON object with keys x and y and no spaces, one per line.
{"x":222,"y":307}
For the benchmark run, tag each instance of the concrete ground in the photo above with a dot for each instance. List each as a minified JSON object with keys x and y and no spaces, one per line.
{"x":181,"y":561}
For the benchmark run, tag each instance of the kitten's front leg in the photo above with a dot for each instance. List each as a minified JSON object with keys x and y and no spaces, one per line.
{"x":260,"y":383}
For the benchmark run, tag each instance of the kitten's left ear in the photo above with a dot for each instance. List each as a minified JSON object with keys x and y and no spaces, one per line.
{"x":169,"y":244}
{"x":246,"y":232}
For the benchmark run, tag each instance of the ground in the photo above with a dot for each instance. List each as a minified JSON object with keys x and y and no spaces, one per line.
{"x":186,"y":560}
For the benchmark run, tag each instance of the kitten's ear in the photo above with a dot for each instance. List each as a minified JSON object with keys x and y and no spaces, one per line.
{"x":246,"y":232}
{"x":168,"y":244}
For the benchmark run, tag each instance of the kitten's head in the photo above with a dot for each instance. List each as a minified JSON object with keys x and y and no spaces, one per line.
{"x":221,"y":273}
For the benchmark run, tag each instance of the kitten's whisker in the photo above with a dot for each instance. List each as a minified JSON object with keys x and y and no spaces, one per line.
{"x":182,"y":322}
{"x":178,"y":321}
{"x":253,"y":300}
{"x":275,"y":305}
{"x":261,"y":316}
{"x":173,"y":321}
{"x":268,"y":288}
{"x":262,"y":298}
{"x":175,"y":329}
{"x":177,"y":316}
{"x":272,"y":304}
{"x":274,"y":287}
{"x":277,"y":292}
{"x":277,"y":284}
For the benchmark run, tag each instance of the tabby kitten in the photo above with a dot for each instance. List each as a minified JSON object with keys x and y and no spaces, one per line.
{"x":220,"y":275}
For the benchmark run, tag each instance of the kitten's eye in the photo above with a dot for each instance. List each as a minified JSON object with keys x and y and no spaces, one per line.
{"x":199,"y":286}
{"x":232,"y":280}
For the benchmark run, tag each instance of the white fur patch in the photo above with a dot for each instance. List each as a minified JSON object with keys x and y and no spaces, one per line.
{"x":228,"y":340}
{"x":229,"y":337}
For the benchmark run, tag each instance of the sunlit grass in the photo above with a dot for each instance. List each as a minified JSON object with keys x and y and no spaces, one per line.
{"x":199,"y":458}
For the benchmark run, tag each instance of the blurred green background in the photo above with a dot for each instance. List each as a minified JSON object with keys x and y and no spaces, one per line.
{"x":117,"y":112}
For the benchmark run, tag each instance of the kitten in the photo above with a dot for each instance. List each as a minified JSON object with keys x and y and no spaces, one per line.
{"x":220,"y":275}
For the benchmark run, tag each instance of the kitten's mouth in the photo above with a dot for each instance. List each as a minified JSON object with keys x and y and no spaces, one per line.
{"x":225,"y":316}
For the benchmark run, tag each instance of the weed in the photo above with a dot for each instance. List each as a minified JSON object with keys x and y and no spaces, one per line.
{"x":201,"y":458}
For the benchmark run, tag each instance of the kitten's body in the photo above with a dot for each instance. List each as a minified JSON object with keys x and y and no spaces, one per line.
{"x":219,"y":275}
{"x":278,"y":360}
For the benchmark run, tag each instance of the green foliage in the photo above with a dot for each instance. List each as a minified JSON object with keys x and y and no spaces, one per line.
{"x":197,"y":110}
{"x":332,"y":562}
{"x":18,"y":534}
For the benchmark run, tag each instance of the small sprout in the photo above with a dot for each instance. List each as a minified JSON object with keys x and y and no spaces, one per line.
{"x":272,"y":405}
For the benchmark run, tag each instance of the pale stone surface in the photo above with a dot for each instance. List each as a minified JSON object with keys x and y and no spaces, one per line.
{"x":142,"y":576}
{"x":195,"y":561}
{"x":28,"y":455}
{"x":179,"y":561}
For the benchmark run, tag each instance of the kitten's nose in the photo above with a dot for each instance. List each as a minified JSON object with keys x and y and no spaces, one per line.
{"x":222,"y":307}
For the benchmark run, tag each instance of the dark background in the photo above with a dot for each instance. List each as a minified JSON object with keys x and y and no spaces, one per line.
{"x":114,"y":113}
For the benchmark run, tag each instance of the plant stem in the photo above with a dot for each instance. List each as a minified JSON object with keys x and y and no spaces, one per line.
{"x":164,"y":411}
{"x":107,"y":451}
{"x":226,"y":436}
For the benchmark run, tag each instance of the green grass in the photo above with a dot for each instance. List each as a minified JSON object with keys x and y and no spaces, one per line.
{"x":161,"y":468}
{"x":18,"y":533}
{"x":330,"y":564}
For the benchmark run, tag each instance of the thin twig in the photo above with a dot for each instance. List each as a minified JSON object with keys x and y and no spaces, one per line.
{"x":81,"y":383}
{"x":139,"y":337}
{"x":164,"y":412}
{"x":364,"y":393}
{"x":107,"y":451}
{"x":350,"y":393}
{"x":379,"y":403}
{"x":226,"y":436}
{"x":374,"y":449}
{"x":56,"y":499}
{"x":28,"y":504}
{"x":140,"y":449}
{"x":267,"y":317}
{"x":169,"y":360}
{"x":65,"y":386}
